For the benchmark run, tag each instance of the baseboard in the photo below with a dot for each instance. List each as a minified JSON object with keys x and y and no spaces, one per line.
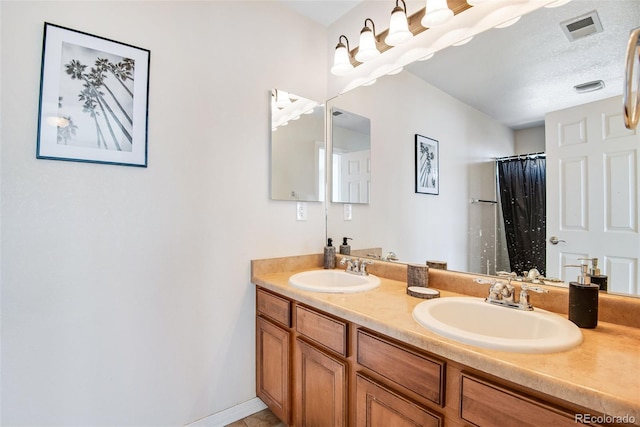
{"x":230,"y":415}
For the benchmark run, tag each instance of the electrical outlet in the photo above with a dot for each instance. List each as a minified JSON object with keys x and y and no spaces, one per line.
{"x":348,"y":212}
{"x":301,"y":211}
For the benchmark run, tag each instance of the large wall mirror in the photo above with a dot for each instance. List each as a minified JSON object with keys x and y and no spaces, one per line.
{"x":478,"y":114}
{"x":297,"y":147}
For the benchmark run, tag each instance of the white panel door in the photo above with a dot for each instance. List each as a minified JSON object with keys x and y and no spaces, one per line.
{"x":356,"y":175}
{"x":592,"y":193}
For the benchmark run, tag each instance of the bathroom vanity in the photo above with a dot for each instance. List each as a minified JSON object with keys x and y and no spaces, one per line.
{"x":361,"y":359}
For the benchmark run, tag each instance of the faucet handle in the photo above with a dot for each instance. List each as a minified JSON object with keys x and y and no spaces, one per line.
{"x":345,"y":260}
{"x":524,"y":295}
{"x":363,"y":266}
{"x":536,"y":289}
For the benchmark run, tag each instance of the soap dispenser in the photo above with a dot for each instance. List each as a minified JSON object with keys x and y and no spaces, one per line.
{"x":329,"y":254}
{"x":594,"y":273}
{"x":583,"y":299}
{"x":345,"y":249}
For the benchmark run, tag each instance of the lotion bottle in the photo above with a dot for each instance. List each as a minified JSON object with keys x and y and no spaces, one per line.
{"x":329,"y":254}
{"x":345,"y":249}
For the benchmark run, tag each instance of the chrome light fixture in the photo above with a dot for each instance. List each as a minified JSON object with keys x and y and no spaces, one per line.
{"x":398,"y":26}
{"x":368,"y":48}
{"x":437,"y":13}
{"x":341,"y":60}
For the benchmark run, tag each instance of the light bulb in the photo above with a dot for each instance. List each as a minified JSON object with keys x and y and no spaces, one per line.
{"x":367,"y":49}
{"x":437,"y":13}
{"x":398,"y":28}
{"x":341,"y":62}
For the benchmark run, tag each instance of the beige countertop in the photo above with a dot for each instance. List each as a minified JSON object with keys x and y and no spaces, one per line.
{"x":602,"y":374}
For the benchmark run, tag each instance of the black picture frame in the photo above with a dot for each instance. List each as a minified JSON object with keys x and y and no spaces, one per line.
{"x":94,"y":97}
{"x":427,"y":169}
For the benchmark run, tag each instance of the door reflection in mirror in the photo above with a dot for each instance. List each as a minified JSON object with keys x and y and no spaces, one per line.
{"x":350,"y":157}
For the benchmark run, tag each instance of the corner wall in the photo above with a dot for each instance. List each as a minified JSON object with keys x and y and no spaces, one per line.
{"x":126,"y":294}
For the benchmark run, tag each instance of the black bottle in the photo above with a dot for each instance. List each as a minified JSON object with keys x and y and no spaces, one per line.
{"x":597,"y":278}
{"x":583,"y":301}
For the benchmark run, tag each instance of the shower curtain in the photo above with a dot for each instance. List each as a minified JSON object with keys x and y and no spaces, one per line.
{"x":522,"y":187}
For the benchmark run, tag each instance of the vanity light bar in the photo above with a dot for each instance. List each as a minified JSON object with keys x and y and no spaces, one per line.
{"x":415,"y":26}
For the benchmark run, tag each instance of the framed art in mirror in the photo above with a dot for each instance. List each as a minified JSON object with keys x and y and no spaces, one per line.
{"x":93,"y":99}
{"x":427,"y":165}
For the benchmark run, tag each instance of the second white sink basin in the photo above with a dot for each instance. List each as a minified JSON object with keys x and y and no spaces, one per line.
{"x":333,"y":281}
{"x":473,"y":321}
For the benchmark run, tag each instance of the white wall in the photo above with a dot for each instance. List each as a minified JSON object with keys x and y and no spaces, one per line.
{"x":419,"y":226}
{"x":530,"y":140}
{"x":126,"y":294}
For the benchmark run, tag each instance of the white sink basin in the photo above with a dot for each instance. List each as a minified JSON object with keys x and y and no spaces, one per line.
{"x":473,"y":321}
{"x":333,"y":281}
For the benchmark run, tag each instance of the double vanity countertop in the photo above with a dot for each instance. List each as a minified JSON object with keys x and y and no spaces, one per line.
{"x":602,"y":373}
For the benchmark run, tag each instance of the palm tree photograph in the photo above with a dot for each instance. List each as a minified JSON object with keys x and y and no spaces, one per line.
{"x":427,"y":180}
{"x":93,"y":100}
{"x":97,"y":97}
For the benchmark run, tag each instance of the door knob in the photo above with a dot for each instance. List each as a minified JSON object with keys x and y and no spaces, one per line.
{"x":554,"y":240}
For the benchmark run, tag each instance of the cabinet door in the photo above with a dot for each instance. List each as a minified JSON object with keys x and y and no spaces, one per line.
{"x":378,"y":406}
{"x":321,"y":388}
{"x":272,"y":368}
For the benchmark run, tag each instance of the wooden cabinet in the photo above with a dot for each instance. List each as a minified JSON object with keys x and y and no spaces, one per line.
{"x":484,"y":403}
{"x":379,"y":406}
{"x":320,"y":388}
{"x":405,"y":367}
{"x":272,"y":368}
{"x":273,"y":361}
{"x":317,"y":370}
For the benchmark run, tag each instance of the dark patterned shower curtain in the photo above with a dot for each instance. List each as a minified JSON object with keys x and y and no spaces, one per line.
{"x":522,"y":187}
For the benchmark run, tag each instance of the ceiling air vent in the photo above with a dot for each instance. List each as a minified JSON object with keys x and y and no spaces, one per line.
{"x":589,"y":87}
{"x":582,"y":26}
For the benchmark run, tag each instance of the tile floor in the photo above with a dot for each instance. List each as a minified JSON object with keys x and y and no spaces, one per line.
{"x":263,"y":418}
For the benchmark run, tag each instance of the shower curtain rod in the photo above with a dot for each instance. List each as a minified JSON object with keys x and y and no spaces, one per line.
{"x":522,"y":156}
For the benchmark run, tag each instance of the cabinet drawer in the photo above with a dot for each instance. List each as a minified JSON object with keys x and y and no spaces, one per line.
{"x":483,"y":403}
{"x":274,"y":307}
{"x":324,"y":330}
{"x":407,"y":368}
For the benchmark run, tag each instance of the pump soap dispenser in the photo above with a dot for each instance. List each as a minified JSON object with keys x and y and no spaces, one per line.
{"x":329,"y":254}
{"x":345,"y":249}
{"x":583,"y":299}
{"x":594,"y":272}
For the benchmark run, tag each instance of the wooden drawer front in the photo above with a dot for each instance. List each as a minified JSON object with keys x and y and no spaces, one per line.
{"x":274,"y":307}
{"x":486,"y":404}
{"x":324,"y":330}
{"x":377,"y":406}
{"x":408,"y":369}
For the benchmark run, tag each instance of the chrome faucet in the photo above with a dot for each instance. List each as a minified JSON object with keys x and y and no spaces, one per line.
{"x":501,"y":293}
{"x":356,"y":266}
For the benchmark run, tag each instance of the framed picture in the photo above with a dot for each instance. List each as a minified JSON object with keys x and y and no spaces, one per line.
{"x":94,"y":96}
{"x":427,"y":169}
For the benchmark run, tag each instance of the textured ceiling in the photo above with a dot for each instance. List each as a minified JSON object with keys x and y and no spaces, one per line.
{"x":519,"y":73}
{"x":516,"y":74}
